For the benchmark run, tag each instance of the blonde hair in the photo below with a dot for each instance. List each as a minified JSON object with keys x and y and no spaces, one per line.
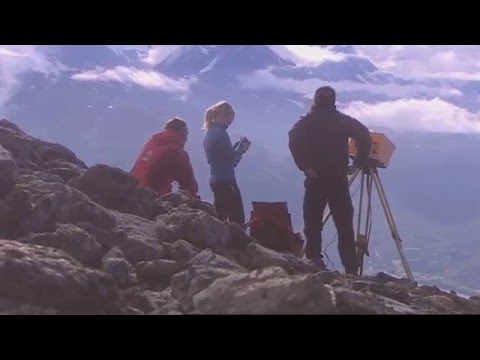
{"x":217,"y":111}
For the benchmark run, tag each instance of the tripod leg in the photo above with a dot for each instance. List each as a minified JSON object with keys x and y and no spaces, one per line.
{"x":391,"y":223}
{"x":353,"y":177}
{"x":350,"y":182}
{"x":360,"y":203}
{"x":364,"y":239}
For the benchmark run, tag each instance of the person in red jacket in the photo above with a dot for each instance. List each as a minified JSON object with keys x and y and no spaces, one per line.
{"x":163,"y":160}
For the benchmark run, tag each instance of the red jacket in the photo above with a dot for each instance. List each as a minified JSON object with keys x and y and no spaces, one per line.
{"x":162,"y":161}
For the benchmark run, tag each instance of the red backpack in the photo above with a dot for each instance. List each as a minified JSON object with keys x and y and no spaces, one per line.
{"x":271,"y":225}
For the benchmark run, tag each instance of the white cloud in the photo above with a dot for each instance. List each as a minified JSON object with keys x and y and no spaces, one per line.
{"x":265,"y":79}
{"x":456,"y":62}
{"x":149,"y":79}
{"x":120,"y":48}
{"x":450,"y":62}
{"x":16,"y":60}
{"x":434,"y":115}
{"x":307,"y":55}
{"x":157,"y":53}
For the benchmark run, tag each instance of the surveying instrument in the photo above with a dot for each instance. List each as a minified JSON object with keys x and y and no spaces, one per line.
{"x":382,"y":151}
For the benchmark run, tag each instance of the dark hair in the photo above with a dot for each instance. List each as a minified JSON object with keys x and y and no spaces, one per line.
{"x":324,"y":95}
{"x":176,"y":124}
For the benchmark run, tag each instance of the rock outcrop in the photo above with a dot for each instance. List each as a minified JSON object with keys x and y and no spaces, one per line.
{"x":79,"y":240}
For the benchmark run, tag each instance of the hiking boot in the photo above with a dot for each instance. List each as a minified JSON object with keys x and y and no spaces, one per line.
{"x":320,"y":263}
{"x":353,"y":271}
{"x":314,"y":256}
{"x":317,"y":261}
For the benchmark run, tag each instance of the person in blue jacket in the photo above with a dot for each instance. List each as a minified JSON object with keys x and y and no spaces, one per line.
{"x":223,"y":157}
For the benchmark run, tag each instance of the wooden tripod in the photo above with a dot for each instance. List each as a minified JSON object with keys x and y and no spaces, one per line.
{"x":368,"y":178}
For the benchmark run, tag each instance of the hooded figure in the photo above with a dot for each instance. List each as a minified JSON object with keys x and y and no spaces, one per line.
{"x":319,"y":146}
{"x":163,"y":160}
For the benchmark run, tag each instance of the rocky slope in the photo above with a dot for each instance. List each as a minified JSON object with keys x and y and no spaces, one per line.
{"x":78,"y":240}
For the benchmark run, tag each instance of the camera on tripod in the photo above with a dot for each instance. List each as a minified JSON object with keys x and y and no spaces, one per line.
{"x":382,"y":150}
{"x":380,"y":155}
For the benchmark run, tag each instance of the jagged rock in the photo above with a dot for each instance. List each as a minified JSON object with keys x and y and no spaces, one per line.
{"x":181,"y":251}
{"x":328,"y":277}
{"x":161,"y":207}
{"x":72,"y":240}
{"x":158,"y":303}
{"x":202,"y":270}
{"x":9,"y":175}
{"x":41,"y":218}
{"x":65,"y":205}
{"x":427,"y":290}
{"x":116,"y":189}
{"x":132,"y":311}
{"x":105,"y":212}
{"x":4,"y":123}
{"x":20,"y":146}
{"x":48,"y":151}
{"x":384,"y":278}
{"x":196,"y":227}
{"x":467,"y":306}
{"x":66,"y":172}
{"x":259,"y":257}
{"x":178,"y":198}
{"x":143,"y":240}
{"x":183,"y":197}
{"x":352,"y":302}
{"x":238,"y":238}
{"x":440,"y":303}
{"x":145,"y":203}
{"x":207,"y":207}
{"x":165,"y":205}
{"x":48,"y":277}
{"x":173,"y":313}
{"x":107,"y":239}
{"x":136,"y":241}
{"x":266,"y":291}
{"x":30,"y":152}
{"x":359,"y":285}
{"x":391,"y":291}
{"x":121,"y":271}
{"x":8,"y":307}
{"x":159,"y":270}
{"x":31,"y":175}
{"x":14,"y":209}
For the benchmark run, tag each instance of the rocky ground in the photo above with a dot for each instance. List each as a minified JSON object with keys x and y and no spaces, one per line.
{"x":79,"y":240}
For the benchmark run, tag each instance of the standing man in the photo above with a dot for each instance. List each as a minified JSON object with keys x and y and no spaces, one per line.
{"x":319,"y":146}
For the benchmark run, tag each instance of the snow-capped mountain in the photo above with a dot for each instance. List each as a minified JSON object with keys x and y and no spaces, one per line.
{"x":85,"y":57}
{"x":222,"y":63}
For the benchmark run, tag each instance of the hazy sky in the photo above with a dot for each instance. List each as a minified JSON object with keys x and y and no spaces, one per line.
{"x":434,"y":71}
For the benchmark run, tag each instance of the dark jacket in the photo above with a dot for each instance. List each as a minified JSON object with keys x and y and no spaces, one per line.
{"x":319,"y":140}
{"x":162,"y":161}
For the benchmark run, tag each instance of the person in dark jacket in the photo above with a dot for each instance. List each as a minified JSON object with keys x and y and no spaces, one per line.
{"x":163,"y":160}
{"x":319,"y":146}
{"x":223,"y":157}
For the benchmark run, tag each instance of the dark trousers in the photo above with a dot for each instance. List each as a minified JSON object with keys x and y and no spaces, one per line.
{"x":335,"y":192}
{"x":228,"y":202}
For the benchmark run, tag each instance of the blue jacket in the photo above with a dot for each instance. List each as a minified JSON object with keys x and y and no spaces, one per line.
{"x":220,"y":154}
